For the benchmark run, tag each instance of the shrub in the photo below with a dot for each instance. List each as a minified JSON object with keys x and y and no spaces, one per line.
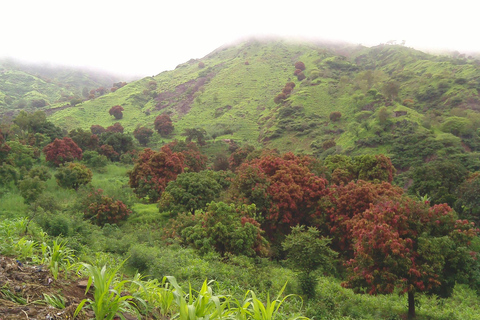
{"x":104,"y":209}
{"x":301,"y":76}
{"x":300,"y":65}
{"x":94,"y":160}
{"x":73,"y":175}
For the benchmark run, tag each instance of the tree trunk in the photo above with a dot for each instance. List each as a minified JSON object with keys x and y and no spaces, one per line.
{"x":411,"y":305}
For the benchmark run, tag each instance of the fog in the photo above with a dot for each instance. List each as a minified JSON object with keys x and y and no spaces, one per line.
{"x":144,"y":38}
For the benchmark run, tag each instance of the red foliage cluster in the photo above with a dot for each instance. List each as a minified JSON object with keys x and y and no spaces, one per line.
{"x":239,"y":156}
{"x":61,"y":151}
{"x":143,"y":135}
{"x":163,"y":125}
{"x":108,"y":151}
{"x":395,"y":245}
{"x":194,"y":160}
{"x":291,"y":190}
{"x":116,"y":111}
{"x":153,"y":170}
{"x":103,"y":209}
{"x":285,"y":92}
{"x":117,"y":127}
{"x":345,"y":202}
{"x":300,"y":65}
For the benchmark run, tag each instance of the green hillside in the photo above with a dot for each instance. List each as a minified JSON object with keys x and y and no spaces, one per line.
{"x":30,"y":87}
{"x":231,"y":92}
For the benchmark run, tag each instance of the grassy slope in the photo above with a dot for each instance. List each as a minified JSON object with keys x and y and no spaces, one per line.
{"x":337,"y":80}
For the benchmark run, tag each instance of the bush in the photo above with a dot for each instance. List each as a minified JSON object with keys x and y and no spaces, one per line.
{"x":300,"y":65}
{"x":102,"y":209}
{"x":94,"y":160}
{"x":73,"y":175}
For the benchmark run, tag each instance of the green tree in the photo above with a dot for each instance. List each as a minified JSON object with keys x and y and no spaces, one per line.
{"x":73,"y":175}
{"x":191,"y":191}
{"x":226,"y":229}
{"x":308,"y":252}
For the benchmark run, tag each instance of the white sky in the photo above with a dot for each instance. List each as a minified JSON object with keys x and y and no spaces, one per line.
{"x":146,"y":37}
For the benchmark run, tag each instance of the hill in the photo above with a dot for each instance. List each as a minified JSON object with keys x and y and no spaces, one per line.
{"x":31,"y":86}
{"x":231,"y":93}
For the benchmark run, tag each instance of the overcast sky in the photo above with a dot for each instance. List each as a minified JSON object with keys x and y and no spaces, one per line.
{"x":141,"y":37}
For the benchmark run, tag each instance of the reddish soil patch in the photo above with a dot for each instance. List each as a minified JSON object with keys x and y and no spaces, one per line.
{"x":21,"y":292}
{"x":183,"y":95}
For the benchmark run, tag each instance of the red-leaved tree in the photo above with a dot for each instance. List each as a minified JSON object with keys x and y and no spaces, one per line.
{"x":116,"y":111}
{"x":284,"y":189}
{"x":163,"y":125}
{"x":143,"y":135}
{"x":411,"y":246}
{"x":153,"y":170}
{"x":345,"y":202}
{"x":195,"y":161}
{"x":117,"y":127}
{"x":61,"y":151}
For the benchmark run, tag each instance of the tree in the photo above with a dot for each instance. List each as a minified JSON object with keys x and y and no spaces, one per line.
{"x":284,"y":190}
{"x":239,"y":156}
{"x":191,"y":191}
{"x":152,"y":172}
{"x":374,"y":168}
{"x":195,"y":161}
{"x":61,"y":151}
{"x":438,"y":180}
{"x":97,"y":129}
{"x":468,"y":203}
{"x":225,"y":228}
{"x":163,"y":124}
{"x":117,"y":127}
{"x":143,"y":135}
{"x":383,"y":115}
{"x":102,"y":209}
{"x":307,"y":252}
{"x":31,"y":190}
{"x":343,"y":203}
{"x":300,"y":65}
{"x":120,"y":142}
{"x":84,"y":139}
{"x":73,"y":175}
{"x":391,"y":89}
{"x":411,"y":246}
{"x":116,"y":111}
{"x":198,"y":134}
